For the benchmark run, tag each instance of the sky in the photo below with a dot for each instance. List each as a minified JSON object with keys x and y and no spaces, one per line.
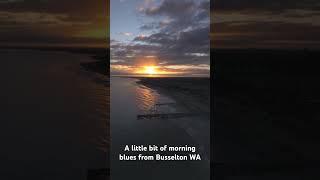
{"x":271,"y":24}
{"x":54,"y":22}
{"x":168,"y":37}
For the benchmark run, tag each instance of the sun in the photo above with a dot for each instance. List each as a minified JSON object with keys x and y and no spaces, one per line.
{"x":151,"y":70}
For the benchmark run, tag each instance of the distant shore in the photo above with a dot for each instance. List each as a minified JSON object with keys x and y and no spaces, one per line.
{"x":101,"y":55}
{"x":100,"y":66}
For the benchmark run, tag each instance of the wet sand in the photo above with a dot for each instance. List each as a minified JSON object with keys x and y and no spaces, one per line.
{"x":193,"y":96}
{"x":53,"y":116}
{"x":191,"y":92}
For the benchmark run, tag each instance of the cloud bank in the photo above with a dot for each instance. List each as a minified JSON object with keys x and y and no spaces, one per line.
{"x":175,"y":33}
{"x":282,"y":24}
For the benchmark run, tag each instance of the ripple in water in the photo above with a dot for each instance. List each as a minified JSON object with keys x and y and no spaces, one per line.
{"x":146,"y":98}
{"x":148,"y":101}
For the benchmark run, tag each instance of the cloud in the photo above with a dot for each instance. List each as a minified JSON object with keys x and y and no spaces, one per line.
{"x":80,"y":7}
{"x":178,"y":36}
{"x":266,"y":35}
{"x":178,"y":15}
{"x":265,"y":24}
{"x":273,"y":6}
{"x":174,"y":9}
{"x":126,"y":33}
{"x":10,"y":1}
{"x":30,"y":18}
{"x":46,"y":20}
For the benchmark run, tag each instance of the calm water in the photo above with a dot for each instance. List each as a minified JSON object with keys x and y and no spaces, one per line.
{"x":128,"y":99}
{"x":53,"y":116}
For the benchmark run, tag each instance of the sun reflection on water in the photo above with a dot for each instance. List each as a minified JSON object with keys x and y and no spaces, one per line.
{"x":146,"y":98}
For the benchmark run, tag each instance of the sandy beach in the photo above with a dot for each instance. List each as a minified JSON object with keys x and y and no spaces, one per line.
{"x":192,"y":95}
{"x":191,"y":92}
{"x":131,"y":97}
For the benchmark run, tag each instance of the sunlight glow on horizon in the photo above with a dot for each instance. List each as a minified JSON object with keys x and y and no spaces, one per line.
{"x":156,"y":70}
{"x":151,"y":66}
{"x":151,"y":70}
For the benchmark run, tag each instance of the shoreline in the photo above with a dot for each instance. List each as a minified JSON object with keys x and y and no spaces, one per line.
{"x":193,"y":96}
{"x":191,"y":93}
{"x":99,"y":55}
